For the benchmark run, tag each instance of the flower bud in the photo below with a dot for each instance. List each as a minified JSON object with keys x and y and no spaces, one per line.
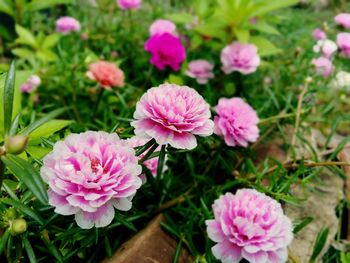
{"x":18,"y":226}
{"x":16,"y":144}
{"x":10,"y":214}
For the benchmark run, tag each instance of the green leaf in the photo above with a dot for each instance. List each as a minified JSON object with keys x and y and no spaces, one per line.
{"x":9,"y":91}
{"x":211,"y":29}
{"x":3,"y":240}
{"x":49,"y":128}
{"x":25,"y":36}
{"x":202,"y":7}
{"x":28,"y":175}
{"x":50,"y":41}
{"x":242,"y":34}
{"x":174,"y":79}
{"x":7,"y":8}
{"x":35,"y":125}
{"x":264,"y":27}
{"x":37,"y":152}
{"x":265,"y":47}
{"x":263,"y":6}
{"x":320,"y":242}
{"x":181,"y":18}
{"x":22,"y":53}
{"x":24,"y":209}
{"x":46,"y":55}
{"x":29,"y":250}
{"x":300,"y":225}
{"x":37,"y":5}
{"x":161,"y":161}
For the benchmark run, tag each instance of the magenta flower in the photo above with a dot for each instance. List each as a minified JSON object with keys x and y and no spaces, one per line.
{"x":236,"y":121}
{"x":31,"y":84}
{"x":89,"y":174}
{"x":161,"y":26}
{"x":249,"y":225}
{"x":319,"y":34}
{"x":107,"y":74}
{"x":172,"y":114}
{"x":67,"y":24}
{"x":343,"y":41}
{"x":323,"y":66}
{"x":343,"y":19}
{"x":240,"y":57}
{"x":201,"y":70}
{"x":151,"y":164}
{"x":129,"y":4}
{"x":165,"y":50}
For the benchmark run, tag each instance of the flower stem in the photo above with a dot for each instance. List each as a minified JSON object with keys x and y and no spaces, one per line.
{"x":149,"y":153}
{"x":142,"y":149}
{"x":99,"y":98}
{"x":161,"y":161}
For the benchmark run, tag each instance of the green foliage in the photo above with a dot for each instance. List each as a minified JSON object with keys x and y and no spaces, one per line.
{"x":320,"y":242}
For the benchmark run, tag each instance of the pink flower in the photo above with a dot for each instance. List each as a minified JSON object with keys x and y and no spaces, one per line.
{"x":31,"y":84}
{"x":323,"y":66}
{"x":162,"y":26}
{"x":249,"y":225}
{"x":107,"y":74}
{"x":343,"y":19}
{"x":240,"y":57}
{"x":201,"y":70}
{"x":67,"y":24}
{"x":129,"y":4}
{"x":89,"y":174}
{"x":165,"y":50}
{"x":326,"y":46}
{"x":343,"y":41}
{"x":151,"y":164}
{"x":236,"y":121}
{"x":172,"y":114}
{"x":318,"y":34}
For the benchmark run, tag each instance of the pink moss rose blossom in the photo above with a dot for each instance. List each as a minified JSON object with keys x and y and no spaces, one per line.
{"x":107,"y":74}
{"x":89,"y":174}
{"x":249,"y":225}
{"x":129,"y":4}
{"x":165,"y":50}
{"x":67,"y":24}
{"x":240,"y":57}
{"x":236,"y":121}
{"x":343,"y":41}
{"x":343,"y":19}
{"x":201,"y":70}
{"x":161,"y":26}
{"x":326,"y":46}
{"x":31,"y":84}
{"x":172,"y":114}
{"x":319,"y":34}
{"x":323,"y":66}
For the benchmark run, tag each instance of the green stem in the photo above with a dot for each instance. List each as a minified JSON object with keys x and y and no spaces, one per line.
{"x":142,"y":149}
{"x":99,"y":98}
{"x":149,"y":153}
{"x":161,"y":162}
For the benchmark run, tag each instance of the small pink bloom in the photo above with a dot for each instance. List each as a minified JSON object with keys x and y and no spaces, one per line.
{"x":67,"y":24}
{"x":323,"y":66}
{"x":129,"y":4}
{"x":343,"y":19}
{"x":162,"y":26}
{"x":172,"y":114}
{"x":107,"y":74}
{"x":201,"y":70}
{"x":89,"y":174}
{"x":326,"y":46}
{"x":165,"y":50}
{"x":31,"y":84}
{"x":240,"y":57}
{"x":236,"y":121}
{"x":249,"y":225}
{"x":343,"y":41}
{"x":151,"y":164}
{"x":114,"y":54}
{"x":318,"y":34}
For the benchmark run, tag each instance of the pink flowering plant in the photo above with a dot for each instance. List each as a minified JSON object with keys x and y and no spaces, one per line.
{"x":225,"y":120}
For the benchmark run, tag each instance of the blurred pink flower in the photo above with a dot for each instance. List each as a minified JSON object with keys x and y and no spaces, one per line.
{"x":67,"y":24}
{"x":165,"y":50}
{"x":326,"y":46}
{"x":236,"y":121}
{"x":172,"y":114}
{"x":319,"y":34}
{"x":129,"y":4}
{"x":249,"y":225}
{"x":107,"y":74}
{"x":31,"y":84}
{"x":89,"y":174}
{"x":151,"y":164}
{"x":201,"y":70}
{"x":343,"y":19}
{"x":343,"y":41}
{"x":240,"y":57}
{"x":323,"y":66}
{"x":161,"y":26}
